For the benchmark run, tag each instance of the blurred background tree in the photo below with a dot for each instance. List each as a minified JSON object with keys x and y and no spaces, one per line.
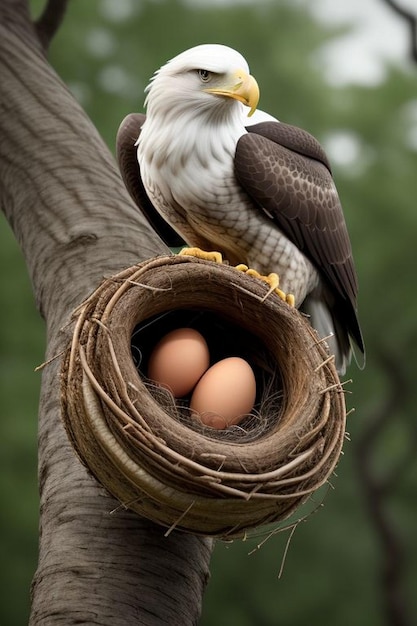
{"x":355,"y":561}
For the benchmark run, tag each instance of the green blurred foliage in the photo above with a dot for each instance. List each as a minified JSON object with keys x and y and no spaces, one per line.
{"x":106,"y":52}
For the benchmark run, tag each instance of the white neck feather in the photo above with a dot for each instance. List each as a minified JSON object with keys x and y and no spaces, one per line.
{"x":182,"y":132}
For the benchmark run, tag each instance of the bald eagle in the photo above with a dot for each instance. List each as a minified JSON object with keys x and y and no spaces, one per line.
{"x":218,"y":174}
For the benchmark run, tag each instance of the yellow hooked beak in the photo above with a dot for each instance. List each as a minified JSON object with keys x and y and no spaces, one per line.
{"x":243,"y":87}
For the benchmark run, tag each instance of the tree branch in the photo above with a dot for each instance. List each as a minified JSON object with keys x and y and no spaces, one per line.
{"x":63,"y":196}
{"x":411,"y":21}
{"x":50,"y":20}
{"x":377,"y":489}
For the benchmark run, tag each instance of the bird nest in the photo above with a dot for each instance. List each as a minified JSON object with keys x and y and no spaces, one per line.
{"x":144,"y":447}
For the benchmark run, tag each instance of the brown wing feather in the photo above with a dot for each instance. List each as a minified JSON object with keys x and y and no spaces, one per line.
{"x":291,"y":137}
{"x":293,"y":184}
{"x":127,"y":135}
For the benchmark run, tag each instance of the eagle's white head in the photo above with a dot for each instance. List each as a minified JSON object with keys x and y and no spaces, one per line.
{"x":210,"y":78}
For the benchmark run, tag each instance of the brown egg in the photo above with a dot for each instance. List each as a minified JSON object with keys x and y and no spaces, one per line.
{"x":225,"y":394}
{"x":179,"y":360}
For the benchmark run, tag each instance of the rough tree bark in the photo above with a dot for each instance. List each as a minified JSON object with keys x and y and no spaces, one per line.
{"x":63,"y":197}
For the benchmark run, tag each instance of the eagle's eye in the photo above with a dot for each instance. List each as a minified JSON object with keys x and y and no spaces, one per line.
{"x":204,"y":75}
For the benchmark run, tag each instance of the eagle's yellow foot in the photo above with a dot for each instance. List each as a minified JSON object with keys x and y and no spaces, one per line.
{"x":272,"y":280}
{"x":202,"y":254}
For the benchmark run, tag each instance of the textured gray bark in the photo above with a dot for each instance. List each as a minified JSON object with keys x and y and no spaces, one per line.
{"x":65,"y":201}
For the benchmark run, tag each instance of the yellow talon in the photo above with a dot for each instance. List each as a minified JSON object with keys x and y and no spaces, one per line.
{"x":202,"y":254}
{"x":280,"y":293}
{"x":272,"y":280}
{"x":251,"y":272}
{"x":290,"y":299}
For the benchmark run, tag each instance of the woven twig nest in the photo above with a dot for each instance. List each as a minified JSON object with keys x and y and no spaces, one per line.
{"x":146,"y":450}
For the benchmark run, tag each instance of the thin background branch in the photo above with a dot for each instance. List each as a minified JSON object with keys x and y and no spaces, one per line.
{"x":411,"y":21}
{"x":377,"y":489}
{"x":50,"y":20}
